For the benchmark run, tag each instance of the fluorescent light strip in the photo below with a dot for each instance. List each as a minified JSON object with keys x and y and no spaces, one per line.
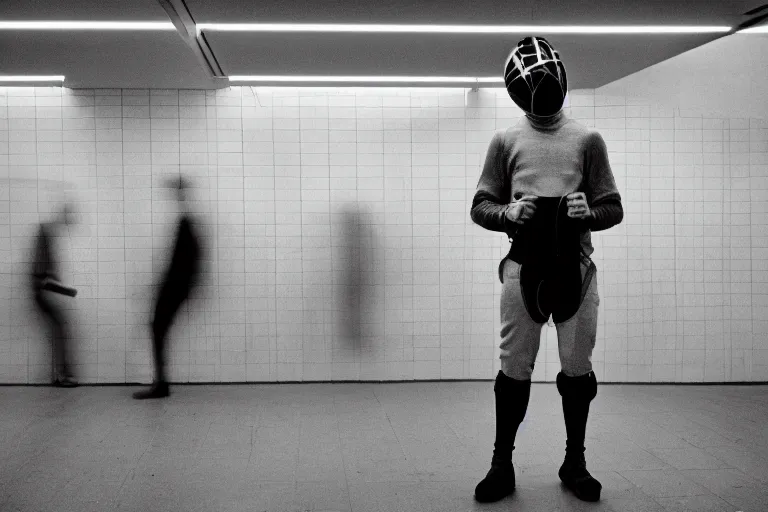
{"x":331,"y":27}
{"x":86,"y":25}
{"x":31,"y":78}
{"x":460,"y":29}
{"x":363,"y":79}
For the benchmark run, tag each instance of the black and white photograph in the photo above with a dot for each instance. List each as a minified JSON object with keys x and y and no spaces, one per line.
{"x":404,"y":256}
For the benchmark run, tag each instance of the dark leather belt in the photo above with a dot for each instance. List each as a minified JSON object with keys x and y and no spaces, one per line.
{"x":548,"y":249}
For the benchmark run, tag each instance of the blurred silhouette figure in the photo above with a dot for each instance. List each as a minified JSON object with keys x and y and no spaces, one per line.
{"x":45,"y":280}
{"x":351,"y":276}
{"x":175,"y":288}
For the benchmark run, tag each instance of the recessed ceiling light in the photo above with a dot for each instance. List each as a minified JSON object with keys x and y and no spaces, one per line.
{"x":32,"y":78}
{"x":365,"y":79}
{"x":86,"y":25}
{"x":460,"y":29}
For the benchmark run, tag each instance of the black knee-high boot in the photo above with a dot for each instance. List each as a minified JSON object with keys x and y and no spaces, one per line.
{"x":577,"y":393}
{"x":511,"y":403}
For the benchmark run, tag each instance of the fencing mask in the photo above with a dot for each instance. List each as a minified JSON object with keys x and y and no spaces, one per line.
{"x":535,"y":77}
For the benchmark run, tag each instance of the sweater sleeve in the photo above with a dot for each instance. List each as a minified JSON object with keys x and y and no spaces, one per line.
{"x":492,"y":198}
{"x":600,"y":187}
{"x":606,"y":215}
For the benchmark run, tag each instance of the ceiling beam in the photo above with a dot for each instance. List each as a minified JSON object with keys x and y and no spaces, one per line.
{"x":187,"y":29}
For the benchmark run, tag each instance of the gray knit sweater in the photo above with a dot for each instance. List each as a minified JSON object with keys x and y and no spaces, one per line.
{"x":546,"y":158}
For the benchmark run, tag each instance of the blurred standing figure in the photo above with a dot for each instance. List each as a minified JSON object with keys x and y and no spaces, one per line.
{"x":351,"y":272}
{"x":45,"y":280}
{"x":178,"y":281}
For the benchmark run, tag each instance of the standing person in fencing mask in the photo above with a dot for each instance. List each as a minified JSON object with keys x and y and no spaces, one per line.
{"x":179,"y":279}
{"x":547,"y":184}
{"x":46,"y":281}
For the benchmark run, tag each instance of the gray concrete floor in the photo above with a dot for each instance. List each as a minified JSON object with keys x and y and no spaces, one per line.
{"x":373,"y":447}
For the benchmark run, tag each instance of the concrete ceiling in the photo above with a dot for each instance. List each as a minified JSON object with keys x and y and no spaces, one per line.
{"x":82,"y":10}
{"x":499,"y":12}
{"x":164,"y":60}
{"x":590,"y":61}
{"x":104,"y":59}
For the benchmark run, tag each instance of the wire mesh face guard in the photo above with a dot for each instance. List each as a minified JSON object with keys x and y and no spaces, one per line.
{"x":535,"y":77}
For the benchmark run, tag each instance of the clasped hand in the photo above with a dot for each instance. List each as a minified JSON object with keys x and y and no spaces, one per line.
{"x":577,"y":205}
{"x":525,"y":207}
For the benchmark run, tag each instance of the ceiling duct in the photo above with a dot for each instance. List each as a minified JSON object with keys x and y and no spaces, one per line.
{"x":185,"y":25}
{"x":756,"y":19}
{"x":756,"y":10}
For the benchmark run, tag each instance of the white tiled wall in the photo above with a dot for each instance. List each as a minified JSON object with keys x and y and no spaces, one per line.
{"x":308,"y":193}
